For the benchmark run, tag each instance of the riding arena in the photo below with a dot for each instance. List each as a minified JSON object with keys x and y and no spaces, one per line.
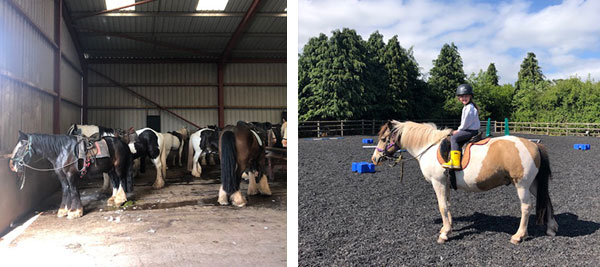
{"x":391,"y":216}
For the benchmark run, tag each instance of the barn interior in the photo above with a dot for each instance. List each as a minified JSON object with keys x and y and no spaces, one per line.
{"x":163,"y":64}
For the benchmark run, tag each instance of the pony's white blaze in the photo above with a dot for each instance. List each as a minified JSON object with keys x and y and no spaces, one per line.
{"x":12,"y":155}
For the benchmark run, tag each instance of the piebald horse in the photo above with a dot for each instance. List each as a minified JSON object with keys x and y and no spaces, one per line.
{"x":203,"y":144}
{"x":502,"y":160}
{"x":175,"y":141}
{"x":151,"y":143}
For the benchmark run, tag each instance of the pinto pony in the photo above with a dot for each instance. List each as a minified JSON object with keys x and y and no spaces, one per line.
{"x":149,"y":143}
{"x":62,"y":151}
{"x":502,"y":160}
{"x":202,"y":145}
{"x":241,"y":149}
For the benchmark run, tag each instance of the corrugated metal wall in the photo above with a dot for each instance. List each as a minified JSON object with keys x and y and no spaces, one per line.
{"x":253,"y":92}
{"x":26,"y":57}
{"x":26,"y":63}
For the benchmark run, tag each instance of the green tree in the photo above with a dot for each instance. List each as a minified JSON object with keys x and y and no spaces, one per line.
{"x":491,"y":75}
{"x":403,"y":73}
{"x":377,"y":78}
{"x":529,"y":87}
{"x":445,"y":76}
{"x":335,"y":85}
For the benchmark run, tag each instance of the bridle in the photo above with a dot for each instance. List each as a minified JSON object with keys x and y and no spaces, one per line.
{"x":20,"y":161}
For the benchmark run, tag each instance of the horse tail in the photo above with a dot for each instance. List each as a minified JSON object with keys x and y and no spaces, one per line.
{"x":544,"y":210}
{"x":130,"y":171}
{"x":228,"y":163}
{"x":71,"y":129}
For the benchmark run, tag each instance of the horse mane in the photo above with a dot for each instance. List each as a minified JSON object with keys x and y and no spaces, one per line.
{"x":52,"y":145}
{"x":417,"y":134}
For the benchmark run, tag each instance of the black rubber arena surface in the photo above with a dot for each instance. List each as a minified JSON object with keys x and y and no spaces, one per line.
{"x":350,"y":219}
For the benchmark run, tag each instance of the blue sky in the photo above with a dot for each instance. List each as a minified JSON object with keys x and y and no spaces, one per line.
{"x":564,"y":35}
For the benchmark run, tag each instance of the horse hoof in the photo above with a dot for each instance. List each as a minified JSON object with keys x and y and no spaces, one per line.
{"x":252,"y":192}
{"x":75,"y":214}
{"x":441,"y":240}
{"x":157,"y":185}
{"x":550,"y":232}
{"x":268,"y":193}
{"x":223,"y":202}
{"x":515,"y":241}
{"x":62,"y":213}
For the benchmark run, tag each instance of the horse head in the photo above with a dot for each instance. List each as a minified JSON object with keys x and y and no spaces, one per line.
{"x":21,"y":153}
{"x":389,"y":141}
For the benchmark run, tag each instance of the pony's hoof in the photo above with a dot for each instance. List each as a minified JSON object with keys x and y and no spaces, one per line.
{"x":441,"y":240}
{"x":550,"y":232}
{"x":119,"y":202}
{"x":75,"y":214}
{"x":252,"y":192}
{"x":158,"y":185}
{"x":266,"y":192}
{"x":223,"y":202}
{"x":238,"y":200}
{"x":62,"y":213}
{"x":515,"y":240}
{"x":111,"y":202}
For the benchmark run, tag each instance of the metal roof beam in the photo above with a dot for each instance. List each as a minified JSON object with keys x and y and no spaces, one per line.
{"x":84,"y":33}
{"x":111,"y":10}
{"x":81,"y":15}
{"x":240,"y":29}
{"x":157,"y":43}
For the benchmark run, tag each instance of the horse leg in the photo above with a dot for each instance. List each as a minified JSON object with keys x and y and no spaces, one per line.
{"x":252,"y":190}
{"x":524,"y":197}
{"x":180,"y":152}
{"x":75,"y":209}
{"x":106,"y":185}
{"x":66,"y":196}
{"x":159,"y":182}
{"x":441,"y":192}
{"x":237,"y":198}
{"x":263,"y":185}
{"x":196,"y":167}
{"x":551,"y":224}
{"x":222,"y":197}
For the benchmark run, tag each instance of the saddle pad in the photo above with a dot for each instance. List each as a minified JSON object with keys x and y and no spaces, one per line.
{"x":99,"y":149}
{"x":466,"y":155}
{"x":260,"y":143}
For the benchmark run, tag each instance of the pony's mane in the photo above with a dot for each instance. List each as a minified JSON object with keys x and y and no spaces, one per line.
{"x":52,"y":145}
{"x":417,"y":134}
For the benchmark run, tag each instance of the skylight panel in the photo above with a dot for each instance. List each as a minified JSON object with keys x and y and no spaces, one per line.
{"x":211,"y":5}
{"x":112,"y":4}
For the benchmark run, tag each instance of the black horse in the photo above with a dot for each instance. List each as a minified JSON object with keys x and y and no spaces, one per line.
{"x":241,"y":150}
{"x":64,"y":153}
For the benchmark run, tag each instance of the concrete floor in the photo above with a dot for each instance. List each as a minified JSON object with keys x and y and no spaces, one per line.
{"x":178,"y":225}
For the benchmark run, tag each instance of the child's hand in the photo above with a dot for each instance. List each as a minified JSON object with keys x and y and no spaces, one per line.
{"x":454,"y":132}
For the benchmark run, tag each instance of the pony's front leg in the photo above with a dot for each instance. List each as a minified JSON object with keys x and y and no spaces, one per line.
{"x":75,"y":209}
{"x":63,"y":210}
{"x":442,"y":193}
{"x":159,"y":182}
{"x":525,"y":198}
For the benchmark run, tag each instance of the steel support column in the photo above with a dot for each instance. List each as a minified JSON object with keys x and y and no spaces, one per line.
{"x":84,"y":95}
{"x":57,"y":59}
{"x":221,"y":95}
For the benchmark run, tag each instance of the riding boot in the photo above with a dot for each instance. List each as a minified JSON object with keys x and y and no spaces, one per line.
{"x":454,"y":161}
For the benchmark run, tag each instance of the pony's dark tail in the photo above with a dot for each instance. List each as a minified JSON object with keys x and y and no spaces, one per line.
{"x":230,"y":182}
{"x":544,"y":211}
{"x":130,"y":172}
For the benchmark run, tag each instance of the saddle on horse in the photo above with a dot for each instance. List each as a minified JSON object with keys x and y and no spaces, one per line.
{"x":444,"y":154}
{"x":89,"y":149}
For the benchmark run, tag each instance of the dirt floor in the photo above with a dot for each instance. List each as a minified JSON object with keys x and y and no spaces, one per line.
{"x":350,"y":219}
{"x":179,"y":225}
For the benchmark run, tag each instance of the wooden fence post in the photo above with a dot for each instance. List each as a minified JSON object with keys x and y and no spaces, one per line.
{"x":318,"y":128}
{"x":342,"y":126}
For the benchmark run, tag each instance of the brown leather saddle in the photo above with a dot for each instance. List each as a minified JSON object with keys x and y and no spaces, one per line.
{"x":443,"y":154}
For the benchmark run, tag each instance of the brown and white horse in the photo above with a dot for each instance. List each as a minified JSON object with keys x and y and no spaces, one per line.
{"x":502,"y":160}
{"x":241,"y":150}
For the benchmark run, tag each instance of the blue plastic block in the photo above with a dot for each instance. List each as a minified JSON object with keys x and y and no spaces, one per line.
{"x":367,"y":141}
{"x":368,"y":167}
{"x":354,"y":166}
{"x":581,"y":146}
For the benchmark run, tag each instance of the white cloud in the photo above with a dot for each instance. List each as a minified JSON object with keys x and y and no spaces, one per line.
{"x":501,"y":33}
